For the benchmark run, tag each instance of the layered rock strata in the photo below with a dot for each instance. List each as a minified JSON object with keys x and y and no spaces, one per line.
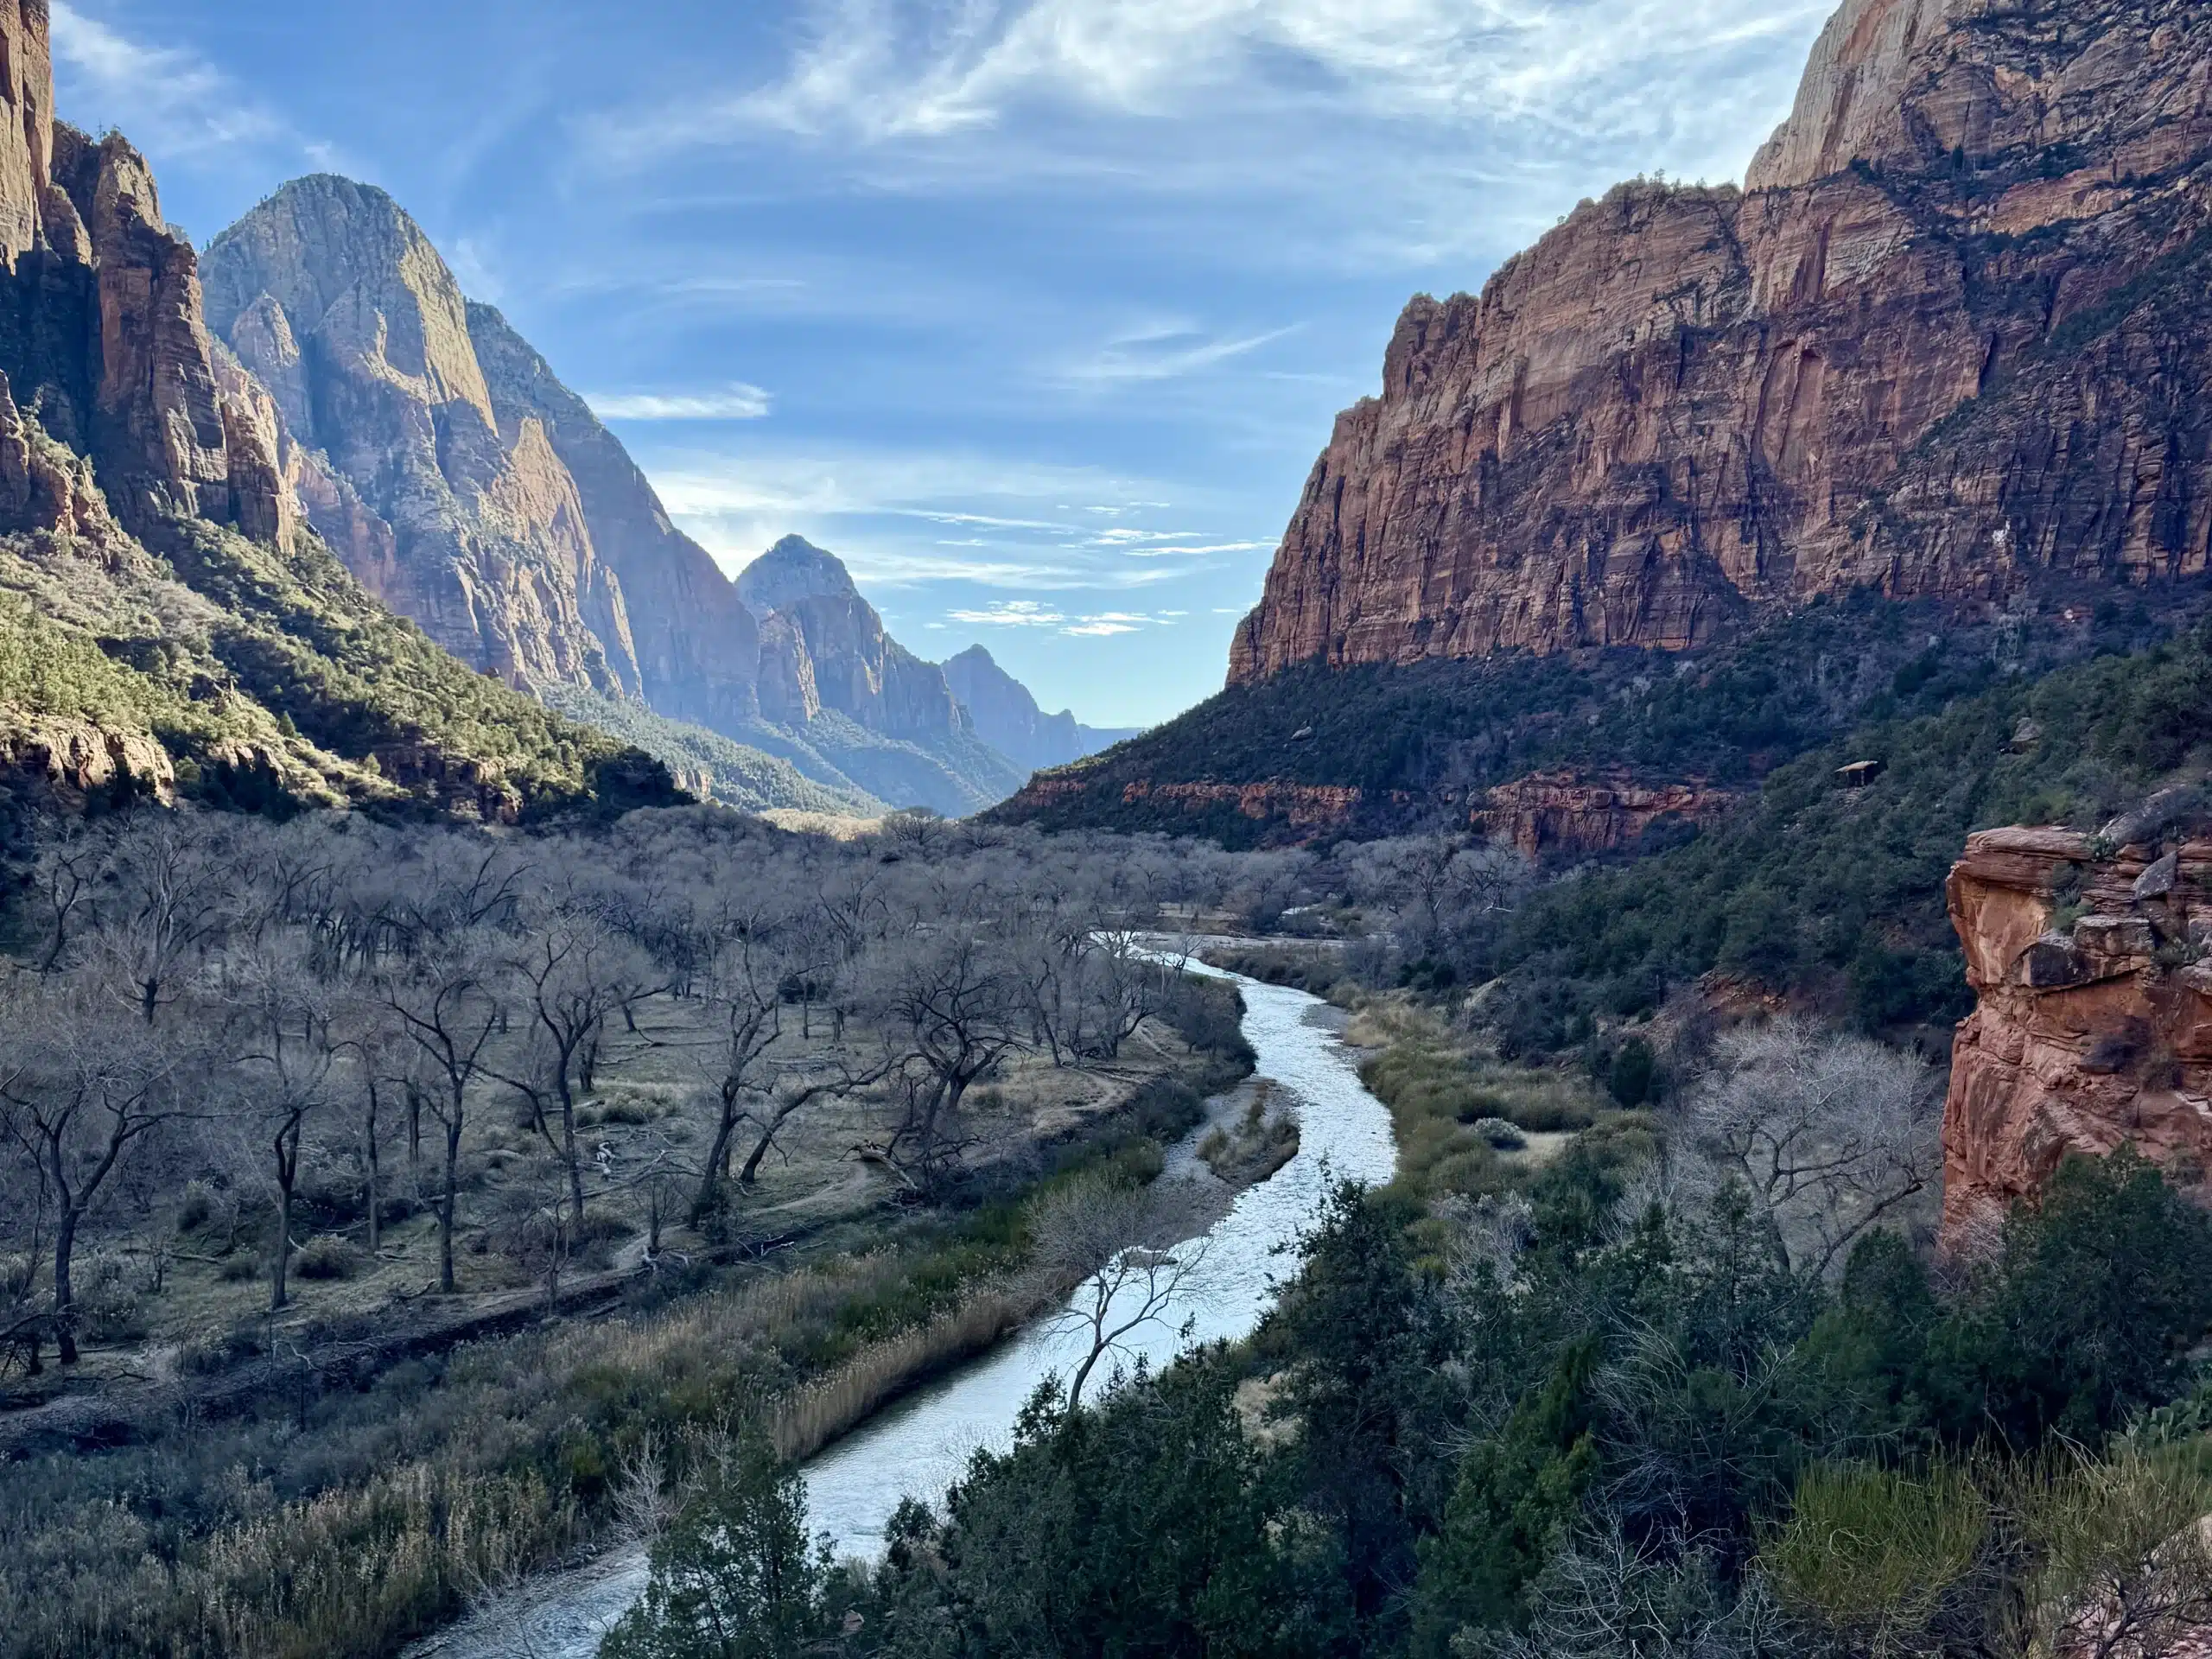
{"x":2092,"y":968}
{"x":1950,"y":340}
{"x":1562,"y":813}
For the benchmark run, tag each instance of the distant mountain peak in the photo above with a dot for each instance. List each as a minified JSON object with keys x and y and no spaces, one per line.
{"x":1008,"y":718}
{"x":794,"y":569}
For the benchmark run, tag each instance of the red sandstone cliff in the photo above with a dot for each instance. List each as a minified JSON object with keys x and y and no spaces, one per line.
{"x":1951,"y":337}
{"x":2094,"y":1023}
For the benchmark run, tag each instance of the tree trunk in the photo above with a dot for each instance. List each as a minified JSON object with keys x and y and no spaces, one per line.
{"x":376,"y":1195}
{"x":568,"y":1152}
{"x":65,"y":1297}
{"x":446,"y":1201}
{"x":716,"y":1167}
{"x":288,"y":1170}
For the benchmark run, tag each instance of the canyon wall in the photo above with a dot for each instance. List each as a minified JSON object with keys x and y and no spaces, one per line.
{"x":335,"y":300}
{"x":2093,"y":967}
{"x":1950,"y":339}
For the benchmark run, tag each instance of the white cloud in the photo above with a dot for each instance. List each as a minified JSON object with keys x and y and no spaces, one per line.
{"x":168,"y":99}
{"x":1182,"y":552}
{"x":736,"y":402}
{"x":899,"y":69}
{"x":1165,"y":354}
{"x":1011,"y":614}
{"x":1029,"y":613}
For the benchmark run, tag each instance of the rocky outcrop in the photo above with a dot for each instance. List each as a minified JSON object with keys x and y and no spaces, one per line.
{"x":1563,"y":814}
{"x":1949,"y":343}
{"x":101,"y":319}
{"x":337,"y":302}
{"x":1007,"y":718}
{"x":69,"y":759}
{"x":26,"y":126}
{"x":2094,"y":1023}
{"x":823,"y":647}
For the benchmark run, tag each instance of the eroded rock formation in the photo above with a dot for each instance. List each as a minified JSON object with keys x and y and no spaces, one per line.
{"x":335,"y":300}
{"x":1949,"y":338}
{"x":822,"y":646}
{"x":2094,"y":1027}
{"x":1562,"y":814}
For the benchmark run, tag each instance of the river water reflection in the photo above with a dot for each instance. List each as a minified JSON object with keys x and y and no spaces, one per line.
{"x":918,"y":1446}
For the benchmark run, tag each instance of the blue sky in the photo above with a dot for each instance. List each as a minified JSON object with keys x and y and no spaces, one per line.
{"x":1037,"y":311}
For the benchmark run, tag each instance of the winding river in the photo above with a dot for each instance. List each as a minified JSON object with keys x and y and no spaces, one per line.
{"x":918,"y":1446}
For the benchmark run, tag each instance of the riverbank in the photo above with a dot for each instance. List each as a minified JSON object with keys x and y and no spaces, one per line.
{"x":342,"y":1521}
{"x":918,"y":1446}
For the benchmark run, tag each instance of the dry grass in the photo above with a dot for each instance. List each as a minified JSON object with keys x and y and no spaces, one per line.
{"x":808,"y":1419}
{"x":1441,"y":1089}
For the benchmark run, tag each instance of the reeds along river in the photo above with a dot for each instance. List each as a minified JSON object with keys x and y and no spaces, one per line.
{"x":918,"y":1446}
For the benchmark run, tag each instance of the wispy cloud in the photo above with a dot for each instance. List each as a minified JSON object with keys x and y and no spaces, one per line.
{"x":1029,"y":613}
{"x":1011,"y":614}
{"x":173,"y":100}
{"x":736,"y":402}
{"x":887,"y":70}
{"x":1166,"y":354}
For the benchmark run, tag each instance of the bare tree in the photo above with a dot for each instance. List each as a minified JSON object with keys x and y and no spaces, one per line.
{"x":161,"y":903}
{"x":287,"y":1066}
{"x":84,"y":1088}
{"x":1433,"y":887}
{"x":952,"y":1010}
{"x":573,"y":973}
{"x":744,"y":985}
{"x":447,"y":1002}
{"x":1139,"y":1250}
{"x":1830,"y":1132}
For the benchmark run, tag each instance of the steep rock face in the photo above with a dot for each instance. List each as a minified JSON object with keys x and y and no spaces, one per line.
{"x":26,"y":125}
{"x":2093,"y":1026}
{"x":696,"y":645}
{"x":1949,"y":340}
{"x":100,"y":321}
{"x":1562,"y":813}
{"x":1007,"y":718}
{"x":824,"y":647}
{"x":334,"y":298}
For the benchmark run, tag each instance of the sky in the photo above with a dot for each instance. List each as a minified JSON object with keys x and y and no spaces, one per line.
{"x":1037,"y":312}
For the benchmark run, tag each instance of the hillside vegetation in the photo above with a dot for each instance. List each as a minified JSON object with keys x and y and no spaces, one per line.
{"x":1442,"y":731}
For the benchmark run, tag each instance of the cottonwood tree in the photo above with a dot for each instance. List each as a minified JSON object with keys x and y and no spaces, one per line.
{"x":82,"y":1086}
{"x":162,"y":901}
{"x":1434,"y":887}
{"x":1829,"y":1132}
{"x":288,"y":1045}
{"x":447,"y":1002}
{"x":952,"y":1009}
{"x":571,"y":974}
{"x":1139,"y":1251}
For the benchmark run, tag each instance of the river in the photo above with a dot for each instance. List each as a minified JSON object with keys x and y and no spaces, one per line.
{"x":918,"y":1446}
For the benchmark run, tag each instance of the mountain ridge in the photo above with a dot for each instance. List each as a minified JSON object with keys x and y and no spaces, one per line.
{"x":438,"y":453}
{"x":1008,"y":718}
